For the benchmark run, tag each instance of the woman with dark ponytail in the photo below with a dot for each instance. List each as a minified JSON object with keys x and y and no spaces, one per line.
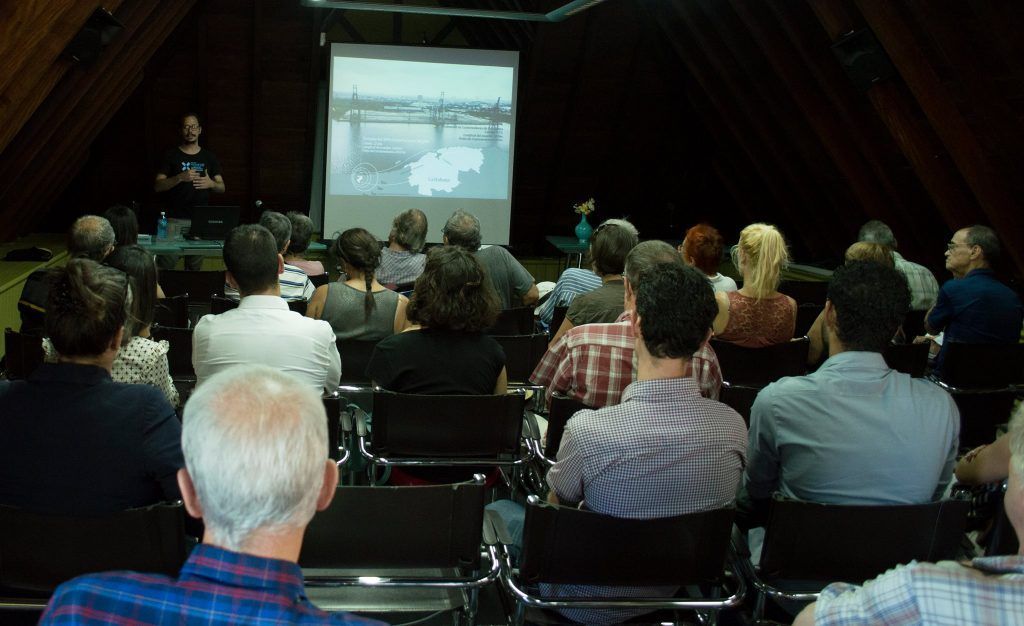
{"x":357,"y":306}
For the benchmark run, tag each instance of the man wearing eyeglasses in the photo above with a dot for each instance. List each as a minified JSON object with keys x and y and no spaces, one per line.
{"x":975,"y":307}
{"x":188,"y":173}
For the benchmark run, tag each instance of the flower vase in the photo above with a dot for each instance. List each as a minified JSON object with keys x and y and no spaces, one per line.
{"x":583,"y":230}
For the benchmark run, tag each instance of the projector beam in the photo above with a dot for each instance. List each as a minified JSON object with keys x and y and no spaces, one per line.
{"x":557,"y":15}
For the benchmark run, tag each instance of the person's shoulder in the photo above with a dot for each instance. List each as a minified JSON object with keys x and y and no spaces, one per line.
{"x":111,"y":590}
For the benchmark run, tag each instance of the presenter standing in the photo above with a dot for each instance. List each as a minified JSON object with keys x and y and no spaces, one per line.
{"x":188,"y":173}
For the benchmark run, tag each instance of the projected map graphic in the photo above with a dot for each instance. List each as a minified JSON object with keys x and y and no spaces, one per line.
{"x":411,"y":129}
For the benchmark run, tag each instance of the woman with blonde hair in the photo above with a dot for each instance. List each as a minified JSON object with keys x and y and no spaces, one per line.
{"x":757,"y":315}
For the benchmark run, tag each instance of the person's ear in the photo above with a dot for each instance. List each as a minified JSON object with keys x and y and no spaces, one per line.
{"x":286,"y":244}
{"x":280,"y":265}
{"x":628,"y":297}
{"x":188,"y":494}
{"x":115,"y":342}
{"x":230,"y":280}
{"x":323,"y":499}
{"x":830,"y":315}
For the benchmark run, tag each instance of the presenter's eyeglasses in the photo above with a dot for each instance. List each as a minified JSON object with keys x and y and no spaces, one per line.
{"x":190,"y":127}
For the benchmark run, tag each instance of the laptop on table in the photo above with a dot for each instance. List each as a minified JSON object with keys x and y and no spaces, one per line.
{"x":213,"y":223}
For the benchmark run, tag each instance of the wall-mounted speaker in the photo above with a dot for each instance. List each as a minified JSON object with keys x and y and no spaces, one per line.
{"x":863,"y":58}
{"x":99,"y":30}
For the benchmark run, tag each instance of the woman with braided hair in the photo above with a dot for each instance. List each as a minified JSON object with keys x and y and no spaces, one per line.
{"x":357,"y":306}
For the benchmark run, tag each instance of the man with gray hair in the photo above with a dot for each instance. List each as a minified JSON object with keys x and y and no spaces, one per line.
{"x":594,"y":363}
{"x":974,"y":307}
{"x":985,"y":590}
{"x":402,"y":260}
{"x":295,"y":284}
{"x":923,"y":286}
{"x":513,"y":284}
{"x":256,"y":470}
{"x":91,"y":237}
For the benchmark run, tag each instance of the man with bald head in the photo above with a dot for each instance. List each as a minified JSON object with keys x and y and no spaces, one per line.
{"x":91,"y":237}
{"x":256,"y":471}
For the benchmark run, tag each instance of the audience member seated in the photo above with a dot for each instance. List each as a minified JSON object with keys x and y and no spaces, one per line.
{"x":923,"y":286}
{"x":855,"y":431}
{"x":140,"y":359}
{"x":860,"y":251}
{"x":358,"y":307}
{"x":262,"y":329}
{"x":702,"y":248}
{"x":298,"y":243}
{"x":514,"y":286}
{"x":445,"y":352}
{"x":125,"y":224}
{"x":573,"y":282}
{"x":663,"y":451}
{"x":72,"y":440}
{"x":402,"y":260}
{"x":256,"y":471}
{"x":90,"y":237}
{"x":974,"y":307}
{"x":757,"y":315}
{"x":988,"y":463}
{"x":293,"y":280}
{"x":609,"y":246}
{"x":594,"y":363}
{"x":985,"y":590}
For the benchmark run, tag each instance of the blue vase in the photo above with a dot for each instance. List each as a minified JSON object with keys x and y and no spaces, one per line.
{"x":583,"y":230}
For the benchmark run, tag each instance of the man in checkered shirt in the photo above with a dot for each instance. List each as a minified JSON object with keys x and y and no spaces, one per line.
{"x":924,"y":289}
{"x":594,"y":363}
{"x":665,"y":450}
{"x":986,"y":590}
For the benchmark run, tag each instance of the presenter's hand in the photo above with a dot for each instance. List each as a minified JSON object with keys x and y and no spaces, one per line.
{"x":186,"y":176}
{"x":202,"y":182}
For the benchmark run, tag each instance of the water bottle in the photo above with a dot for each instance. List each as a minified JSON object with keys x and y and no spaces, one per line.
{"x":161,"y":226}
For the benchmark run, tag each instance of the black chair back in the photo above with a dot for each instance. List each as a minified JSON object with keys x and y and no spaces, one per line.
{"x":405,"y":288}
{"x":557,"y":317}
{"x":562,"y":408}
{"x":220,"y":304}
{"x":447,"y":426}
{"x":172,"y":311}
{"x":756,"y":367}
{"x":23,"y":353}
{"x":805,"y":315}
{"x":517,"y":321}
{"x":982,"y":414}
{"x":559,"y":547}
{"x":299,"y":306}
{"x":355,"y":356}
{"x":828,"y":542}
{"x":199,"y":285}
{"x":522,"y":354}
{"x":805,"y":291}
{"x":333,"y":407}
{"x":740,"y":398}
{"x":39,"y":551}
{"x":909,"y":358}
{"x":982,"y":365}
{"x":913,"y":324}
{"x":179,"y":357}
{"x":398,"y":527}
{"x":320,"y":280}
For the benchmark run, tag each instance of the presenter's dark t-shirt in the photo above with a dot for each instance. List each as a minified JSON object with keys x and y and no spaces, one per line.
{"x":183,"y":197}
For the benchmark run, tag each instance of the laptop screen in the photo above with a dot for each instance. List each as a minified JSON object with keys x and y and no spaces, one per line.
{"x":213,"y":222}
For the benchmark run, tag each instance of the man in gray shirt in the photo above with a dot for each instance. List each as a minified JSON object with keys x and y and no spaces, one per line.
{"x":514,"y":285}
{"x":855,"y":431}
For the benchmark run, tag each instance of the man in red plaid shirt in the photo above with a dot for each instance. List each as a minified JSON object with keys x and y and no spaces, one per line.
{"x":593,"y":363}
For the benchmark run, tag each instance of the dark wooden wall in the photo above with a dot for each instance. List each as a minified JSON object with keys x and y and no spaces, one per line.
{"x":669,"y":111}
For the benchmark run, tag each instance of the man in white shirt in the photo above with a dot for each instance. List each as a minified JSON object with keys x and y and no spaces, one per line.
{"x":262,"y":329}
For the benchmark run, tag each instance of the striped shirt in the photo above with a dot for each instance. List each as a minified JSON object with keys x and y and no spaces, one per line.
{"x":215,"y":587}
{"x":399,"y":267}
{"x":923,"y":286}
{"x":594,"y":363}
{"x":663,"y":451}
{"x":571,"y":283}
{"x":295,"y":285}
{"x":988,"y":590}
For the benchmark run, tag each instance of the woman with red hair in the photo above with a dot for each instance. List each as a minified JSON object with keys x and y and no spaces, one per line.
{"x":702,"y":248}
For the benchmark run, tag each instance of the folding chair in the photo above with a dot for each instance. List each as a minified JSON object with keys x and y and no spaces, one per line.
{"x":756,"y":367}
{"x":299,"y":306}
{"x":320,"y":280}
{"x":518,"y":321}
{"x":562,"y":408}
{"x":913,"y":324}
{"x":172,"y":311}
{"x":805,"y":291}
{"x":355,"y":357}
{"x":809,"y":545}
{"x":740,"y":398}
{"x":199,"y":285}
{"x":40,"y":551}
{"x":568,"y":546}
{"x":401,"y":549}
{"x":806,"y":313}
{"x":24,"y":353}
{"x":444,"y":431}
{"x":909,"y":358}
{"x":522,"y":354}
{"x":179,"y":357}
{"x":984,"y":380}
{"x":220,"y":304}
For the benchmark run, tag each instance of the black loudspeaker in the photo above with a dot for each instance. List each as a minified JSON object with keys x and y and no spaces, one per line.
{"x":863,"y":58}
{"x":99,"y":30}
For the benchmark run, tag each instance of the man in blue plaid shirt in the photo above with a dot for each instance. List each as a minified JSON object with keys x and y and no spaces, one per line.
{"x":255,"y":445}
{"x":987,"y":590}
